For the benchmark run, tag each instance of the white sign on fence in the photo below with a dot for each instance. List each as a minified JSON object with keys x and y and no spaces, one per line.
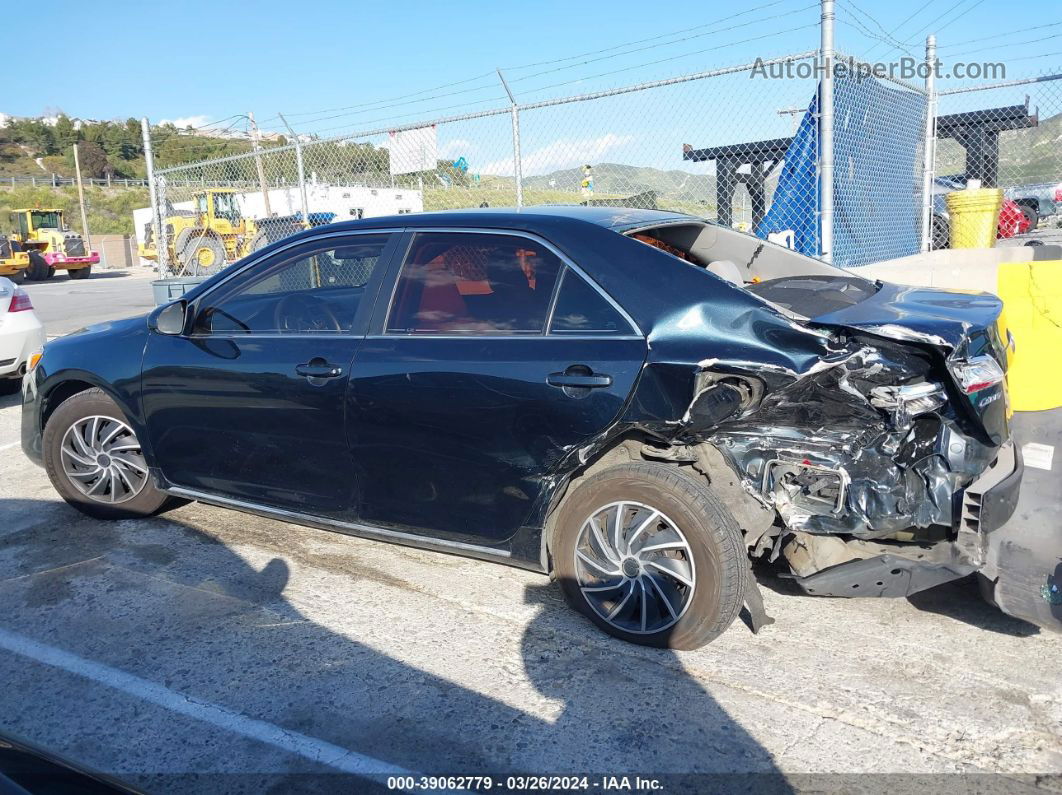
{"x":413,"y":150}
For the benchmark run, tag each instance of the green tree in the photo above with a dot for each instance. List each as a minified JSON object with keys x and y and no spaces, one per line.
{"x":65,"y":134}
{"x":94,"y":163}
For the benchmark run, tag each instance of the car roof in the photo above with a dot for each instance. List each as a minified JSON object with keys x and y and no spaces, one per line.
{"x":617,"y":218}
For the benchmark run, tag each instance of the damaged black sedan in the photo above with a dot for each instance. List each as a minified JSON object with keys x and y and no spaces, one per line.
{"x":637,"y":403}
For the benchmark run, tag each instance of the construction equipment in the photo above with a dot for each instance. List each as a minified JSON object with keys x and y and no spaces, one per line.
{"x":50,"y":244}
{"x":203,"y":240}
{"x":13,"y":263}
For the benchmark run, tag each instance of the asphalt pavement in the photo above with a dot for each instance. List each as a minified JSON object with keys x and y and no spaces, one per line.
{"x":208,"y":650}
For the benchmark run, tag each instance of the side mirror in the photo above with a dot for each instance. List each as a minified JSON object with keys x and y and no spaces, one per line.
{"x":170,"y":319}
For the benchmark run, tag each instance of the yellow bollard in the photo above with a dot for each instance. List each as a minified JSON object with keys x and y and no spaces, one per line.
{"x":1032,"y":313}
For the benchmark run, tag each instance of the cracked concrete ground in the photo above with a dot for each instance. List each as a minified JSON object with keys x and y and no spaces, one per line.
{"x":214,"y":643}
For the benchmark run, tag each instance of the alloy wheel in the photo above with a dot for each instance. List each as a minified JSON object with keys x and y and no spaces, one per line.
{"x":634,"y":567}
{"x":102,"y":458}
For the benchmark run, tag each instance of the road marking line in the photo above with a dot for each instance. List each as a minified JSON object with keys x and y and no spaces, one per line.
{"x":293,"y":742}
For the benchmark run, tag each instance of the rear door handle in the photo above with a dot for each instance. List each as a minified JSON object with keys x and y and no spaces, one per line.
{"x":595,"y":381}
{"x":318,"y":368}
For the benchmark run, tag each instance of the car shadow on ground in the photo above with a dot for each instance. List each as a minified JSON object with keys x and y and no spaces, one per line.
{"x":171,"y":604}
{"x":7,"y":401}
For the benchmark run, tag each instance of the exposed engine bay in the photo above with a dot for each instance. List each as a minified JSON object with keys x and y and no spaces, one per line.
{"x":853,"y":469}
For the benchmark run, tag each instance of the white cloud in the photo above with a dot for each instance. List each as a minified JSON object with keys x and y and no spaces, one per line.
{"x":455,"y":148}
{"x":561,"y":153}
{"x":187,"y":121}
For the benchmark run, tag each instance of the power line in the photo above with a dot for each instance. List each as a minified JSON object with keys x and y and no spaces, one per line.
{"x":998,"y":36}
{"x":397,"y":101}
{"x":404,"y":96}
{"x":964,"y":12}
{"x":643,"y":41}
{"x":888,"y":39}
{"x":665,"y":44}
{"x":674,"y":57}
{"x":896,"y":30}
{"x":1012,"y":44}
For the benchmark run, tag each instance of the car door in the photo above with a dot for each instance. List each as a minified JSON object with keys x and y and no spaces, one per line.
{"x":465,"y":397}
{"x":249,"y":402}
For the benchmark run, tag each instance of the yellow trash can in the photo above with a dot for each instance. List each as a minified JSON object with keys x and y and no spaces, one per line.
{"x":974,"y":217}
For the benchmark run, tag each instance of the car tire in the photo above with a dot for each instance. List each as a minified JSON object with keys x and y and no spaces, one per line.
{"x":19,"y":276}
{"x":38,"y":268}
{"x":677,"y":575}
{"x":128,"y":483}
{"x":941,"y":232}
{"x":1031,"y":215}
{"x":80,"y":273}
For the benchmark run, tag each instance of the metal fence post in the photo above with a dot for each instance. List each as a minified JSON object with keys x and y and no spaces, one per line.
{"x":517,"y":165}
{"x":300,"y":168}
{"x":826,"y":132}
{"x":929,"y":148}
{"x":156,"y":208}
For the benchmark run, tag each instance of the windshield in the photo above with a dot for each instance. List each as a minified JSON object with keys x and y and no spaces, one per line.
{"x":225,"y":206}
{"x":47,"y":219}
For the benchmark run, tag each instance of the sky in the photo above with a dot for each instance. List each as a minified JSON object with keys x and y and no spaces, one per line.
{"x":333,"y":67}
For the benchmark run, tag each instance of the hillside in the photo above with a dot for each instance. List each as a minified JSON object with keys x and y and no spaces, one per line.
{"x":619,"y":179}
{"x":110,"y":211}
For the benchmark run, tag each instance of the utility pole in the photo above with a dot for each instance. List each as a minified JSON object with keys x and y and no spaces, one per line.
{"x":81,"y":201}
{"x":258,"y":163}
{"x":517,"y":164}
{"x":156,"y":209}
{"x":929,"y":146}
{"x":301,"y":169}
{"x":826,"y":131}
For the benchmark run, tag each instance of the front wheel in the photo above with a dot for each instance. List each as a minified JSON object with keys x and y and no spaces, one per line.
{"x":38,"y":269}
{"x":80,"y":273}
{"x":648,"y":553}
{"x":95,"y":461}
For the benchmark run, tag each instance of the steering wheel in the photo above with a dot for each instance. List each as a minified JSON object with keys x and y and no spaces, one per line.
{"x":300,"y":312}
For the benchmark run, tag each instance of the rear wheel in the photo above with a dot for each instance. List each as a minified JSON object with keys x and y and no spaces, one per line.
{"x":204,"y":257}
{"x":95,"y":461}
{"x":648,"y":553}
{"x":80,"y":273}
{"x":19,"y":276}
{"x":38,"y":269}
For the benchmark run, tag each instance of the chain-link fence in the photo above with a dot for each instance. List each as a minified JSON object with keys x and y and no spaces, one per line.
{"x":693,"y":143}
{"x":1003,"y":135}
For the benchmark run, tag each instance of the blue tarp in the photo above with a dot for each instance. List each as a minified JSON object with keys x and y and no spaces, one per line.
{"x":877,"y":143}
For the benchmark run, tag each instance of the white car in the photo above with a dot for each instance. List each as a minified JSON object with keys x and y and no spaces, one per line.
{"x":21,"y":335}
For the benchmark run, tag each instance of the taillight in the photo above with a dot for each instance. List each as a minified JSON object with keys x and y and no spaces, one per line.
{"x":977,"y":373}
{"x":20,"y":301}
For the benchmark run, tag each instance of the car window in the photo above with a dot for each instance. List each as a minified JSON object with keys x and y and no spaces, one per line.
{"x":316,"y":291}
{"x":468,"y":283}
{"x":581,"y":309}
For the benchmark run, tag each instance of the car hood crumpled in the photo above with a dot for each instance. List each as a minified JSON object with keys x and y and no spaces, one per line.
{"x":919,"y":314}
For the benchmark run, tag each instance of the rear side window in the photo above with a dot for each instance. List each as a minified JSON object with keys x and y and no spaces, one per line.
{"x":473,"y":283}
{"x":581,"y":309}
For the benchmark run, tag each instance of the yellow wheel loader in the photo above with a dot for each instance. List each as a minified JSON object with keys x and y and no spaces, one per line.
{"x":214,"y":233}
{"x":50,"y":244}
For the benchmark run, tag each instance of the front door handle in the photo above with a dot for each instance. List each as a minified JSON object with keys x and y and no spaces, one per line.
{"x":579,"y":381}
{"x":318,"y":368}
